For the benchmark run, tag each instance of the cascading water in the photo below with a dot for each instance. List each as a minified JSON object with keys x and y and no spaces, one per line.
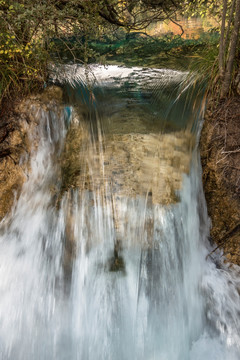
{"x":116,"y":268}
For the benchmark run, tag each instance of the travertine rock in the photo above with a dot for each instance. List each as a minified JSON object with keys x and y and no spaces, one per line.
{"x":16,"y":125}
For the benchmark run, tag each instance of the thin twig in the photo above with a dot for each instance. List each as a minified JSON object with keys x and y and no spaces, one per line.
{"x":230,"y":152}
{"x":179,"y":25}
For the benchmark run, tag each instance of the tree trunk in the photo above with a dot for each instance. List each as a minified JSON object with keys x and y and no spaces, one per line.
{"x":232,"y":51}
{"x":229,"y":26}
{"x":221,"y":44}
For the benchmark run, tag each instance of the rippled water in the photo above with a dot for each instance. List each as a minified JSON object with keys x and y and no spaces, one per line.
{"x":104,"y":254}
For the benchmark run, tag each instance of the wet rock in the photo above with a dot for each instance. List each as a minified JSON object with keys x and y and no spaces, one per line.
{"x":128,"y":165}
{"x":71,"y":168}
{"x":117,"y":264}
{"x":13,"y":145}
{"x":118,"y":168}
{"x":17,"y":123}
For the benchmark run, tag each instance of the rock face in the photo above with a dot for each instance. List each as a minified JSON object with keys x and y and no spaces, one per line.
{"x":13,"y":146}
{"x":130,"y":164}
{"x":220,"y":153}
{"x":117,"y":169}
{"x":17,"y":122}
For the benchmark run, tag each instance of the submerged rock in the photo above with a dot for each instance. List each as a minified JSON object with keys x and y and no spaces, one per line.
{"x":111,"y":170}
{"x":127,"y":165}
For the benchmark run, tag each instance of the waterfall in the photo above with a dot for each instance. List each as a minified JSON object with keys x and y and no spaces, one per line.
{"x":105,"y":253}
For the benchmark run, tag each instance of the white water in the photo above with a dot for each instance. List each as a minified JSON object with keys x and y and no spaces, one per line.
{"x":169,"y":303}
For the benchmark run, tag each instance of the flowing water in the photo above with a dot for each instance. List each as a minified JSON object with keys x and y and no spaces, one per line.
{"x":105,"y":253}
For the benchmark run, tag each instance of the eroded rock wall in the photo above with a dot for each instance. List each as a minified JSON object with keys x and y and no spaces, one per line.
{"x":17,"y":122}
{"x":13,"y":146}
{"x":220,"y":154}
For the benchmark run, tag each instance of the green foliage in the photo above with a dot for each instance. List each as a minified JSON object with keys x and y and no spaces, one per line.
{"x":22,"y":56}
{"x":30,"y":34}
{"x":219,"y":63}
{"x":204,"y":8}
{"x":33,"y":33}
{"x":137,"y":49}
{"x":204,"y":62}
{"x":204,"y":69}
